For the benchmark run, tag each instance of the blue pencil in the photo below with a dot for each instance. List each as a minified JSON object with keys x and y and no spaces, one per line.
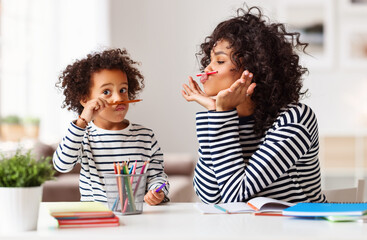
{"x":222,"y":209}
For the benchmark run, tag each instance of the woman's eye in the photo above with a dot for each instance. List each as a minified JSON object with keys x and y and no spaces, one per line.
{"x":220,"y":62}
{"x":106,"y":92}
{"x":123,"y":90}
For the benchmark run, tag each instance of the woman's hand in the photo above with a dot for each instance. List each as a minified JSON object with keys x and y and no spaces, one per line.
{"x":154,"y":198}
{"x":91,"y":109}
{"x":194,"y":93}
{"x":239,"y":92}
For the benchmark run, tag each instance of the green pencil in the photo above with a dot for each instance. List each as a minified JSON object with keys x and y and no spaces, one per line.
{"x":130,"y":194}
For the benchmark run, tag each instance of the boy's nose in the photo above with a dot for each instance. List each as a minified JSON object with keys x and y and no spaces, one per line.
{"x":119,"y":98}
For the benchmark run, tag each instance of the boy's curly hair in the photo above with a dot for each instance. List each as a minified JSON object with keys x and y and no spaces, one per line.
{"x":268,"y":51}
{"x":75,"y":80}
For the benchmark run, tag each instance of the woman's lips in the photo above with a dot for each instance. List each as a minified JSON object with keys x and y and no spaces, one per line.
{"x":203,"y":78}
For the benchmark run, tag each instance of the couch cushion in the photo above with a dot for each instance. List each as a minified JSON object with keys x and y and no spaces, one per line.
{"x":64,"y":188}
{"x":179,"y":164}
{"x":181,"y":189}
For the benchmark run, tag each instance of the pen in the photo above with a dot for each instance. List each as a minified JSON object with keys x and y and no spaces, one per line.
{"x":160,"y":187}
{"x":208,"y":73}
{"x":222,"y":209}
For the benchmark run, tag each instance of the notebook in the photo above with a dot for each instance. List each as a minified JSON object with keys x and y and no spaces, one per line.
{"x":79,"y":210}
{"x":326,"y":209}
{"x":89,"y":222}
{"x":347,"y":218}
{"x":258,"y":204}
{"x":82,"y":214}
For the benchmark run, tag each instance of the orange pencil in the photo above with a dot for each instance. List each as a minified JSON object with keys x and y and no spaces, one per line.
{"x":128,"y":101}
{"x":119,"y":186}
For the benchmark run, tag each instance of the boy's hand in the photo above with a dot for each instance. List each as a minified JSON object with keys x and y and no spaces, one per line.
{"x":239,"y":92}
{"x":91,"y":109}
{"x":194,"y":93}
{"x":154,"y":198}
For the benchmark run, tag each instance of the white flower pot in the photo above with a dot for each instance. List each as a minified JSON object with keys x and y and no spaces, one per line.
{"x":19,"y":208}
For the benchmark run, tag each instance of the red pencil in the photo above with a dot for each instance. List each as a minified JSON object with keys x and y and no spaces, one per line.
{"x":208,"y":73}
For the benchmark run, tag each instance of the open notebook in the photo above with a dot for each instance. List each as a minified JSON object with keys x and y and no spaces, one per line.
{"x":255,"y":205}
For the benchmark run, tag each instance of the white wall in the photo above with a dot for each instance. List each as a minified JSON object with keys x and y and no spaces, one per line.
{"x":39,"y":38}
{"x":164,"y":36}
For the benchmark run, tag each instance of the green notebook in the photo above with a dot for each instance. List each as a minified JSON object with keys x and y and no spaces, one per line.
{"x":326,"y":209}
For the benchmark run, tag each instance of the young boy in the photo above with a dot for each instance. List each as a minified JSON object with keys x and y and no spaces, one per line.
{"x":102,"y":135}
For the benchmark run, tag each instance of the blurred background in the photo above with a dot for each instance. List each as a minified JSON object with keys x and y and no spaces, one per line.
{"x":39,"y":38}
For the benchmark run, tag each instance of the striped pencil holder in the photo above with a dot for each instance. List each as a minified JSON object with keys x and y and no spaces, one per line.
{"x":125,"y":192}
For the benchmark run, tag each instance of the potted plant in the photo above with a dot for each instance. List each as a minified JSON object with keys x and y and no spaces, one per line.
{"x":31,"y":127}
{"x":11,"y":128}
{"x":21,"y":179}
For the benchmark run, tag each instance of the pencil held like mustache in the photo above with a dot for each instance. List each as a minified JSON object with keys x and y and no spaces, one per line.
{"x":122,"y":102}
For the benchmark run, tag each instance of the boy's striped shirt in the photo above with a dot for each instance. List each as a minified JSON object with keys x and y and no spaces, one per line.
{"x":97,"y":149}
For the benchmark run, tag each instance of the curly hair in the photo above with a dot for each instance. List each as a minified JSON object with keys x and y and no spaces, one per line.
{"x":75,"y":80}
{"x":268,"y":51}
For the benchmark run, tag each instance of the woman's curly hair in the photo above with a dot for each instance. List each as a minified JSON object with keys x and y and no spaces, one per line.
{"x":75,"y":80}
{"x":268,"y":51}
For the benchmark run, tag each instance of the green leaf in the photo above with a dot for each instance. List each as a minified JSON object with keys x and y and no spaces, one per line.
{"x":23,"y":170}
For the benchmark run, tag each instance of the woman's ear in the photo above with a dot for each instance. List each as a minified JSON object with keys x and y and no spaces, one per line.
{"x":83,"y":101}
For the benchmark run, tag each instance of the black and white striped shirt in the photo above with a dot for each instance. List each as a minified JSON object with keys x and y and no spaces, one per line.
{"x":97,"y":149}
{"x":236,"y":165}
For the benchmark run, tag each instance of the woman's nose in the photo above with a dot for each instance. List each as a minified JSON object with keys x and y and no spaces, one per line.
{"x":208,"y":68}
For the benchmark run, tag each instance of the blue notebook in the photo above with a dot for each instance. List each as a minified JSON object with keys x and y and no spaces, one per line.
{"x":326,"y":209}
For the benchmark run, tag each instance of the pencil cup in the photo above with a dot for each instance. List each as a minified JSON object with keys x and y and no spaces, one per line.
{"x":125,"y":193}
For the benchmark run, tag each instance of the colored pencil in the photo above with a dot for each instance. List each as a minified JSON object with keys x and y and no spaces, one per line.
{"x":115,"y":170}
{"x":120,"y":186}
{"x":222,"y":209}
{"x":132,"y":171}
{"x":146,"y":167}
{"x":208,"y":73}
{"x":160,"y":187}
{"x":138,"y":182}
{"x":128,"y":101}
{"x":129,"y":190}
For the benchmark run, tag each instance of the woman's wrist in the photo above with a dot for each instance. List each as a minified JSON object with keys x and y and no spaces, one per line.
{"x":220,"y":108}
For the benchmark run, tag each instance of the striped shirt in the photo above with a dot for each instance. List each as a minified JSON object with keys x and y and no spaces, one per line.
{"x":236,"y":165}
{"x":97,"y":149}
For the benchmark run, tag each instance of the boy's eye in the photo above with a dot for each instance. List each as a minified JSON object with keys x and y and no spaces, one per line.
{"x":123,"y":90}
{"x":106,"y":92}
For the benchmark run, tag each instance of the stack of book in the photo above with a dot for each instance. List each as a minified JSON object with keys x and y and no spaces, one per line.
{"x":335,"y":212}
{"x":83,"y":214}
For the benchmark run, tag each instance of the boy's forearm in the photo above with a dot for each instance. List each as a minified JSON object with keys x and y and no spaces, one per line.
{"x":68,"y":151}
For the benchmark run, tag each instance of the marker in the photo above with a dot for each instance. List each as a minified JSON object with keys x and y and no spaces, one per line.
{"x":222,"y":209}
{"x":160,"y":188}
{"x":208,"y":73}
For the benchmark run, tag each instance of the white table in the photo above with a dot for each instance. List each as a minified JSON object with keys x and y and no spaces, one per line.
{"x":183,"y":221}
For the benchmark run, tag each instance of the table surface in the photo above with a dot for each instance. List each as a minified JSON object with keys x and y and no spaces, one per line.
{"x":184,"y":221}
